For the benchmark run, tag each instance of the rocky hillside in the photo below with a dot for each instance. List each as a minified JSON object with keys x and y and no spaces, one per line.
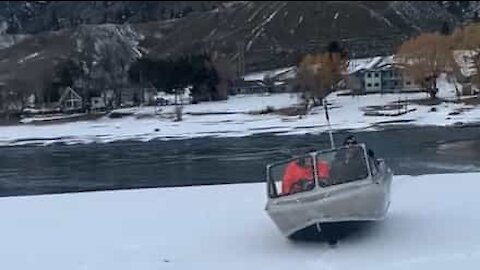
{"x":30,"y":17}
{"x":277,"y":33}
{"x":37,"y":38}
{"x":268,"y":33}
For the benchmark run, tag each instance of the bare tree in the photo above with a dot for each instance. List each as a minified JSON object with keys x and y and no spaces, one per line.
{"x":225,"y":72}
{"x":319,"y":74}
{"x":425,"y":58}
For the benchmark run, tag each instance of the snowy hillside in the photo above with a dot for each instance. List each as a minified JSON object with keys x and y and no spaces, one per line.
{"x":432,"y":224}
{"x":273,"y":32}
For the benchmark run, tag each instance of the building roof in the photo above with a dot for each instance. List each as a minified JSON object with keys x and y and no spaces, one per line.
{"x":70,"y":94}
{"x":281,"y":73}
{"x":370,"y":63}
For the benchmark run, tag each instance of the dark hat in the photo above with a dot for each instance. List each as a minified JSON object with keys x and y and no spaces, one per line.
{"x":350,"y":139}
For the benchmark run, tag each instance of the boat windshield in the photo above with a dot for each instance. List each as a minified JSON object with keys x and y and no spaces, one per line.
{"x":341,"y":166}
{"x":326,"y":168}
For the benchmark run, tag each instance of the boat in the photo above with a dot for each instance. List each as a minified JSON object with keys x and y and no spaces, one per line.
{"x":328,"y":196}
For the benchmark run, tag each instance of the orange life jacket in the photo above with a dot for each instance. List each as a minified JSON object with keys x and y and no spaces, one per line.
{"x":323,"y":170}
{"x":293,"y":173}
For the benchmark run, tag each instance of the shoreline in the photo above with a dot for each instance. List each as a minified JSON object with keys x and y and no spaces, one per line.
{"x":67,"y":141}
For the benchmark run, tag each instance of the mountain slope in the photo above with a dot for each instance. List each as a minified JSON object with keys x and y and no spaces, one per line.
{"x":261,"y":35}
{"x":279,"y":32}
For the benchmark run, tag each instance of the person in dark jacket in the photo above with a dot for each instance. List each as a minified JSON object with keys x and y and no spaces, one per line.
{"x":349,"y":163}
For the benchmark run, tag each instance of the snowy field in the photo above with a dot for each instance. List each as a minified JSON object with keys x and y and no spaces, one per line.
{"x":432,"y":224}
{"x":234,"y":118}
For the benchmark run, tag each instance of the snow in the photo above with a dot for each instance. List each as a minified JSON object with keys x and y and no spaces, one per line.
{"x":8,"y":40}
{"x":211,"y":34}
{"x":28,"y":57}
{"x":254,"y":14}
{"x":431,"y":224}
{"x":236,"y":104}
{"x":355,"y":65}
{"x":369,"y":63}
{"x":259,"y":28}
{"x":300,"y":20}
{"x":447,"y":88}
{"x":238,"y":116}
{"x":374,"y":62}
{"x":48,"y":118}
{"x":348,"y":111}
{"x":223,"y":118}
{"x":375,"y":14}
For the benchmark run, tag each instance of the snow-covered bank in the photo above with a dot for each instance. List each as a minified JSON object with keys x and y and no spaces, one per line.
{"x":234,"y":118}
{"x":432,"y":224}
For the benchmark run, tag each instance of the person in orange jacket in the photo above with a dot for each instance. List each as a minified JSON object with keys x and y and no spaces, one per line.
{"x":298,"y":176}
{"x":323,"y":170}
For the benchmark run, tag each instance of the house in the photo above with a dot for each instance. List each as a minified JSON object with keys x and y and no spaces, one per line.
{"x":285,"y":74}
{"x":465,"y":74}
{"x":465,"y":60}
{"x":248,"y":87}
{"x":70,"y":100}
{"x":276,"y":74}
{"x":378,"y":75}
{"x":101,"y":100}
{"x":97,"y":103}
{"x":272,"y":81}
{"x":126,"y":97}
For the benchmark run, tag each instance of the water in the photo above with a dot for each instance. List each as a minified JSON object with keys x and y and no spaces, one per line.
{"x":26,"y":170}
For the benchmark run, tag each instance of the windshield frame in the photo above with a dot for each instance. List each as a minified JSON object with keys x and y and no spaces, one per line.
{"x":271,"y":185}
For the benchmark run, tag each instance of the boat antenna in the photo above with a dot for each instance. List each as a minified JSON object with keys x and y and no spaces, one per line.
{"x":330,"y":132}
